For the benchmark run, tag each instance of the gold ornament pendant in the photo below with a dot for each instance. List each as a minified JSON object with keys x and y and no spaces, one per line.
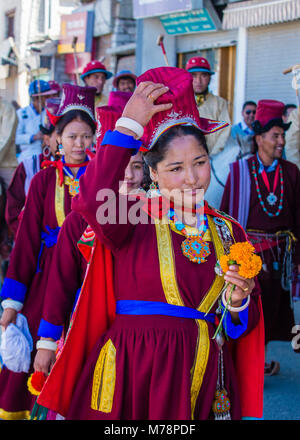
{"x":74,"y":187}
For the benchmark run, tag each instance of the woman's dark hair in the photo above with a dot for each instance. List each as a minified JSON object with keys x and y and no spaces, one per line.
{"x":71,"y":116}
{"x":158,"y":152}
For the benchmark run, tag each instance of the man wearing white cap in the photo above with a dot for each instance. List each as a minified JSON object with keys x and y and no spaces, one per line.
{"x":210,"y":106}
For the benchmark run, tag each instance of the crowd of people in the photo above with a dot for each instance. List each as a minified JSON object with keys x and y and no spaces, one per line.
{"x":113,"y":288}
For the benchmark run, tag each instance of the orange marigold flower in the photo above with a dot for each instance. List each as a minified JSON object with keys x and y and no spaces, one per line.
{"x":224,"y":262}
{"x":242,"y":254}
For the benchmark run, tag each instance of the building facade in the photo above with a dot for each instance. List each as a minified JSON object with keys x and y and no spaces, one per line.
{"x":29,"y":32}
{"x":248,"y":44}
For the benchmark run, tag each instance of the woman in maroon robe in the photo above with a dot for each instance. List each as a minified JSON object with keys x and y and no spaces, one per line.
{"x":19,"y":185}
{"x":158,"y":359}
{"x":47,"y":204}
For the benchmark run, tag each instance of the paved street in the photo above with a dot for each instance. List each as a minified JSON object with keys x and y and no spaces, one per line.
{"x":281,"y":397}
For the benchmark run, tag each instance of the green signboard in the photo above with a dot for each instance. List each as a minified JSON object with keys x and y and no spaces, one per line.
{"x":187,"y":22}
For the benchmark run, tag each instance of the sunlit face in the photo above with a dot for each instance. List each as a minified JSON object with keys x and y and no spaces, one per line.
{"x":200,"y":81}
{"x":249,"y":114}
{"x":184,"y":174}
{"x":133,"y":175}
{"x":51,"y":141}
{"x":75,"y":139}
{"x":271,"y":144}
{"x":126,"y":85}
{"x":96,"y":80}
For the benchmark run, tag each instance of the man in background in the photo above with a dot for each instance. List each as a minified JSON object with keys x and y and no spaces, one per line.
{"x":95,"y":75}
{"x":210,"y":106}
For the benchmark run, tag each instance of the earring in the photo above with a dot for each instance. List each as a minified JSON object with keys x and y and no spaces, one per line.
{"x":153,"y":185}
{"x":61,"y":149}
{"x":46,"y":151}
{"x":153,"y":190}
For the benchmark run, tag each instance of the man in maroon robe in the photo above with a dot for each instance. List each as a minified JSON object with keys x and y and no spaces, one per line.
{"x":262,"y":192}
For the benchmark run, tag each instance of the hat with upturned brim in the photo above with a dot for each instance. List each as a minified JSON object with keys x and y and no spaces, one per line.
{"x":94,"y":67}
{"x":51,"y":106}
{"x":269,"y":114}
{"x":184,"y":110}
{"x":123,"y":74}
{"x":75,"y":97}
{"x":198,"y":64}
{"x":39,"y":87}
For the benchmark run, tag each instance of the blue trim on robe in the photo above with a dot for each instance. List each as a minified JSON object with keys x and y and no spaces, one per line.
{"x":121,"y":140}
{"x":232,"y":330}
{"x":76,"y":298}
{"x":13,"y":289}
{"x":48,"y":330}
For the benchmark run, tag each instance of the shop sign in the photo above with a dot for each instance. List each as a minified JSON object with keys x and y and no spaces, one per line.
{"x":80,"y":25}
{"x":188,"y":22}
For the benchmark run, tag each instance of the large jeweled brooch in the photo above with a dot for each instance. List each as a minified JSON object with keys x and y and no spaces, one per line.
{"x":195,"y":249}
{"x":74,"y":187}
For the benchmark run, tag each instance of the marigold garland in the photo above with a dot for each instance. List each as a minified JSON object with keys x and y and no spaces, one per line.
{"x":36,"y":382}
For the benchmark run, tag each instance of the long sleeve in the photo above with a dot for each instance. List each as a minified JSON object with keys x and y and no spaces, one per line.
{"x":65,"y":278}
{"x":15,"y":200}
{"x":216,"y":108}
{"x":292,"y":145}
{"x":23,"y":133}
{"x":24,"y":257}
{"x":99,"y":201}
{"x":250,"y":316}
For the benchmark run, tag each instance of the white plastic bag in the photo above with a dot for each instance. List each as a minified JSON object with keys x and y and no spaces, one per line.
{"x":16,"y":346}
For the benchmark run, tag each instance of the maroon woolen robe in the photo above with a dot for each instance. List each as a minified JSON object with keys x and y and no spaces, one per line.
{"x":154,"y":354}
{"x":278,"y":314}
{"x":16,"y":196}
{"x":39,"y":212}
{"x":66,"y":274}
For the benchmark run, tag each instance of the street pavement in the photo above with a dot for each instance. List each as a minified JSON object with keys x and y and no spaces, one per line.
{"x":282,"y":392}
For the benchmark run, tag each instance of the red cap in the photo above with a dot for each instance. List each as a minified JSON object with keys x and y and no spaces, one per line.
{"x":184,"y":110}
{"x":107,"y":117}
{"x":269,"y":114}
{"x":94,"y":67}
{"x":118,"y":99}
{"x":198,"y":64}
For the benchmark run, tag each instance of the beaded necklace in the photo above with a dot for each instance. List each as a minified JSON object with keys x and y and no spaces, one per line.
{"x":194,"y":247}
{"x":272,"y":199}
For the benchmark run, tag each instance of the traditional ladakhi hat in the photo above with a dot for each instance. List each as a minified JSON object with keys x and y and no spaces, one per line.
{"x":52,"y":106}
{"x":269,"y":114}
{"x":123,"y":74}
{"x":54,"y":86}
{"x":118,"y":99}
{"x":75,"y":98}
{"x":107,"y":115}
{"x":184,"y":110}
{"x":198,"y":64}
{"x":94,"y":67}
{"x":39,"y":87}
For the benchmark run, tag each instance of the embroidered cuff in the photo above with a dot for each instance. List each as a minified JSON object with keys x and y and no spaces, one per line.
{"x":121,"y":140}
{"x":48,"y":330}
{"x":14,"y":290}
{"x":232,"y":330}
